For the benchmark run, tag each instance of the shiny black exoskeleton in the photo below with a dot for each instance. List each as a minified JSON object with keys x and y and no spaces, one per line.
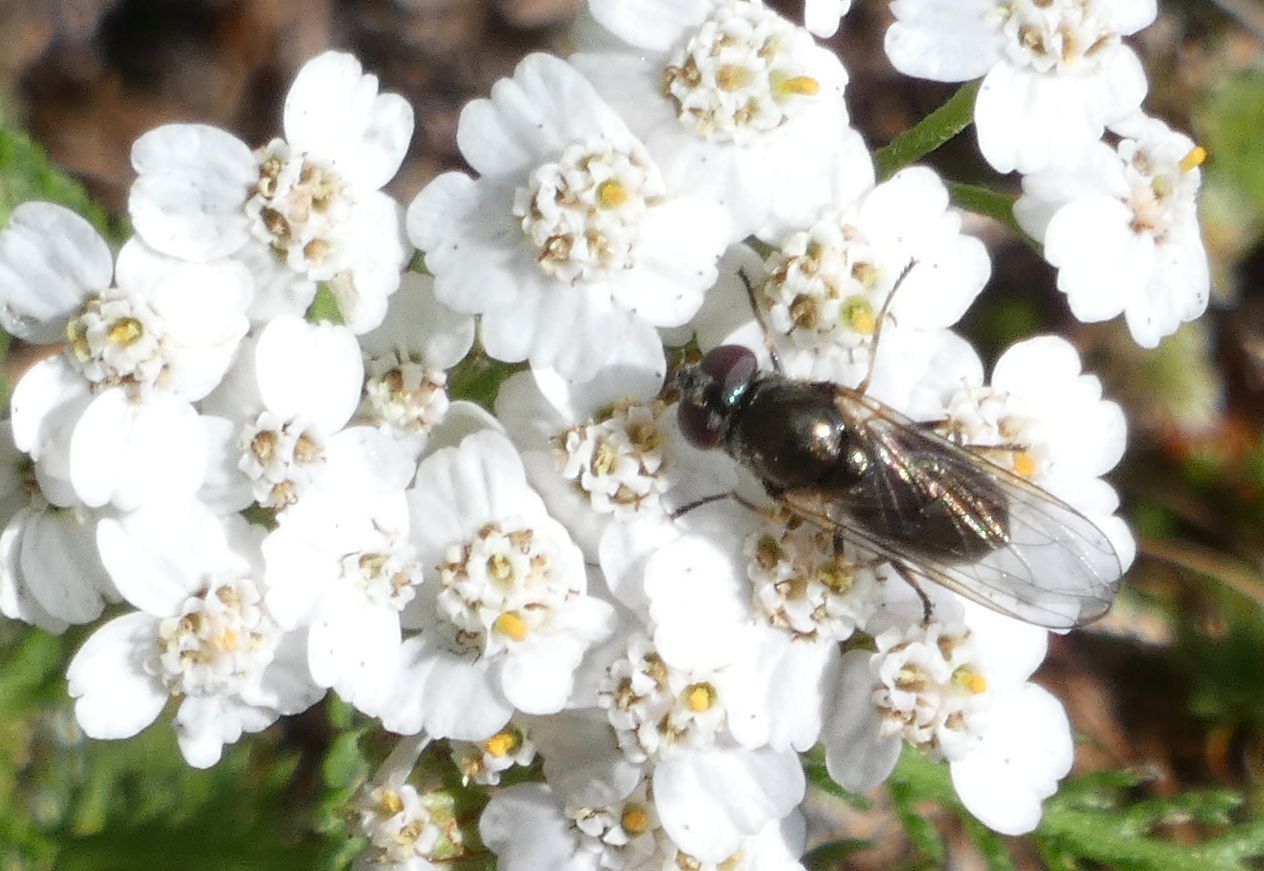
{"x":897,"y":483}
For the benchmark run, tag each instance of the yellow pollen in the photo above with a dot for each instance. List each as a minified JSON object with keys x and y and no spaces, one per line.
{"x":699,"y":697}
{"x":611,"y":194}
{"x":858,"y":314}
{"x":125,"y":331}
{"x":502,"y":743}
{"x":500,"y":567}
{"x":1194,"y":159}
{"x":799,"y":86}
{"x":1024,"y":464}
{"x":228,"y":640}
{"x":390,"y":803}
{"x":511,"y":625}
{"x":635,"y":820}
{"x":605,"y":459}
{"x":970,"y":680}
{"x":730,"y":77}
{"x":316,"y":250}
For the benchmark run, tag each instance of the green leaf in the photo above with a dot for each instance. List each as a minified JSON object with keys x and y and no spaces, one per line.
{"x":1230,"y":124}
{"x":27,"y":174}
{"x":828,"y":857}
{"x":324,"y":307}
{"x":928,"y":134}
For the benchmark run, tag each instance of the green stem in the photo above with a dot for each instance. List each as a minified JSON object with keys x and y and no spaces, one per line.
{"x":929,"y":133}
{"x":985,"y":201}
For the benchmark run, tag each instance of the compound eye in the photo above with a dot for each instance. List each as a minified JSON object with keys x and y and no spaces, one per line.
{"x":726,"y":373}
{"x":732,"y":368}
{"x":700,"y":426}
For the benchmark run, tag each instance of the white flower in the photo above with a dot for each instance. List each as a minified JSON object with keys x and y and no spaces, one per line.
{"x":503,"y":613}
{"x":286,"y":405}
{"x":1122,"y":228}
{"x":1055,"y":72}
{"x":300,"y":210}
{"x":405,"y":362}
{"x":608,"y":448}
{"x":348,"y":586}
{"x":202,"y":635}
{"x":529,"y":830}
{"x":568,"y":242}
{"x":407,"y":830}
{"x":113,"y":413}
{"x":1042,"y":419}
{"x":50,"y":571}
{"x":957,"y":690}
{"x":822,"y":16}
{"x":483,"y":762}
{"x":824,"y":290}
{"x":734,"y":103}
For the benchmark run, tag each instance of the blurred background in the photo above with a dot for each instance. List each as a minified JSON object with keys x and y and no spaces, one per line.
{"x":1166,"y":694}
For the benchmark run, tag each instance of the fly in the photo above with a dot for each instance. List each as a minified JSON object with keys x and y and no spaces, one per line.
{"x":896,"y":490}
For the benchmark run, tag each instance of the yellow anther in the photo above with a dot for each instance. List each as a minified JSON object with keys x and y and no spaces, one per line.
{"x":970,"y":680}
{"x":799,"y":86}
{"x":730,"y":77}
{"x":263,"y":445}
{"x":1024,"y":464}
{"x":1193,"y":159}
{"x":700,"y":697}
{"x":228,"y":640}
{"x":125,"y":331}
{"x":511,"y":625}
{"x":503,"y":743}
{"x":390,"y":803}
{"x":858,"y":314}
{"x":611,"y":194}
{"x":306,"y":449}
{"x":499,"y":567}
{"x":635,"y":820}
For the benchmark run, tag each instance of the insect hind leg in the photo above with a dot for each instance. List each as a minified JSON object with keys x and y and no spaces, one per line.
{"x":905,"y":573}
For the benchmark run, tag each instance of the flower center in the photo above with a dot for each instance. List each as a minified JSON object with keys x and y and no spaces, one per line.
{"x":296,"y":207}
{"x":803,"y":585}
{"x":617,"y":461}
{"x":281,"y":458}
{"x":403,"y":392}
{"x":824,"y":290}
{"x":1162,"y":189}
{"x":1055,"y":35}
{"x":221,"y":641}
{"x":740,"y":74}
{"x":483,"y":762}
{"x":403,"y":825}
{"x":116,"y":341}
{"x":930,"y":688}
{"x":998,"y":426}
{"x":388,"y":578}
{"x":658,"y":711}
{"x":501,"y":589}
{"x":582,"y":212}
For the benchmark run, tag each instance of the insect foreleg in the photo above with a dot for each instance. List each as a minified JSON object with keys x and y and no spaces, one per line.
{"x":759,"y":318}
{"x":863,"y":387}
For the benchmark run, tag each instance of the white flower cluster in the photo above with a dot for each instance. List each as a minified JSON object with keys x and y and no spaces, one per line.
{"x":276,"y":506}
{"x":1117,"y":217}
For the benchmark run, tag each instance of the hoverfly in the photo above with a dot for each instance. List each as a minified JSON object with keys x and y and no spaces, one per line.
{"x":898,"y":491}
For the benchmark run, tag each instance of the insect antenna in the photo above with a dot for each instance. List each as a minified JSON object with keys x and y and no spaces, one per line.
{"x":759,"y":318}
{"x":863,"y":386}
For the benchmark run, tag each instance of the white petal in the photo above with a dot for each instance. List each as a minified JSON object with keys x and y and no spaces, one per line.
{"x":1101,"y":262}
{"x":132,"y":454}
{"x":653,"y":24}
{"x":419,"y":323}
{"x":61,"y":566}
{"x":857,"y":756}
{"x":443,"y":694}
{"x":205,"y":724}
{"x":942,"y":40}
{"x":286,"y":686}
{"x":334,"y":111}
{"x":46,"y":403}
{"x":532,"y":116}
{"x":1017,"y":764}
{"x":353,"y":647}
{"x":582,"y":762}
{"x":709,"y":801}
{"x":50,"y":259}
{"x":16,"y":599}
{"x":524,"y":826}
{"x":309,"y":371}
{"x":189,"y":198}
{"x":115,"y":697}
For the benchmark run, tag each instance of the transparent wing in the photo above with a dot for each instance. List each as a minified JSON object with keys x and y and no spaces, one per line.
{"x":999,"y":541}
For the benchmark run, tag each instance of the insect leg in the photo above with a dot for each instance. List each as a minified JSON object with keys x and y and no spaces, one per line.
{"x":906,"y":573}
{"x":863,"y":387}
{"x":714,"y":497}
{"x":759,"y":318}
